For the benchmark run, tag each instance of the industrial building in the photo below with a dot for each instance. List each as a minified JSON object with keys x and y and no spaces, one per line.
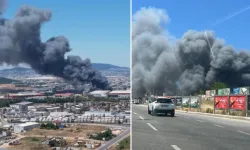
{"x":100,"y":93}
{"x":22,"y":106}
{"x":25,"y":127}
{"x":119,"y":94}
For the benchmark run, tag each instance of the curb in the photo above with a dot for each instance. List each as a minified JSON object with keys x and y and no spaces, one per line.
{"x":217,"y":115}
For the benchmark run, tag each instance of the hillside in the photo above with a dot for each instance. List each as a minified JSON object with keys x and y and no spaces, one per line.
{"x":6,"y":80}
{"x":105,"y":69}
{"x":101,"y":66}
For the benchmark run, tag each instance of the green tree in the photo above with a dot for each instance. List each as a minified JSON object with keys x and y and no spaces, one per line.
{"x":218,"y":85}
{"x":200,"y":92}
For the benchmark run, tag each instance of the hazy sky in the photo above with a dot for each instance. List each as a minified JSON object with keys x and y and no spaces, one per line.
{"x":96,"y":29}
{"x":202,"y":14}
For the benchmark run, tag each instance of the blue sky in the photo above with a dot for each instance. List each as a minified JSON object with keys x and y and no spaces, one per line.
{"x":202,"y":14}
{"x":96,"y":29}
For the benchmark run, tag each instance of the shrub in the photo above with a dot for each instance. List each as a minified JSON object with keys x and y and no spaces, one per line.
{"x":209,"y":110}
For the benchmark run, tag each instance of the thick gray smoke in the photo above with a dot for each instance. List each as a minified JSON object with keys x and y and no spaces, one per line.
{"x":3,"y":4}
{"x":193,"y":62}
{"x":20,"y":42}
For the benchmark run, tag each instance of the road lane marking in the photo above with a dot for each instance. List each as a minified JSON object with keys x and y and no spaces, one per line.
{"x":187,"y":117}
{"x":152,"y":126}
{"x":141,"y":117}
{"x":199,"y":120}
{"x":218,"y":125}
{"x":175,"y":147}
{"x":135,"y":113}
{"x":243,"y":132}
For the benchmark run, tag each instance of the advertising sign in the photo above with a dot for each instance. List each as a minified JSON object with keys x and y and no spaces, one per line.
{"x":207,"y":93}
{"x":236,"y":91}
{"x":178,"y":101}
{"x":244,"y":90}
{"x":237,"y":102}
{"x":194,"y":102}
{"x":212,"y":92}
{"x":220,"y":102}
{"x":241,"y":91}
{"x":185,"y":101}
{"x":225,"y":91}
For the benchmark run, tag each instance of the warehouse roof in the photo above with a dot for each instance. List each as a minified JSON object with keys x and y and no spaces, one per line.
{"x":99,"y":92}
{"x":120,"y":92}
{"x":28,"y":124}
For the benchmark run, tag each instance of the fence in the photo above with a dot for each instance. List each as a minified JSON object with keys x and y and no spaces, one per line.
{"x":237,"y":105}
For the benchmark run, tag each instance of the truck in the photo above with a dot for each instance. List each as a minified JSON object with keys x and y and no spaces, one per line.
{"x":161,"y":105}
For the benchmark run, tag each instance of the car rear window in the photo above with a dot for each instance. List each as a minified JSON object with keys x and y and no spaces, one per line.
{"x":169,"y":101}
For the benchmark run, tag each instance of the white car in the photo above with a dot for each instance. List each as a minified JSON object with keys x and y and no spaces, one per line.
{"x":161,"y":105}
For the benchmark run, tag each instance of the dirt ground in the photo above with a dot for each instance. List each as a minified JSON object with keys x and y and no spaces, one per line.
{"x":30,"y":143}
{"x":32,"y":139}
{"x":75,"y":131}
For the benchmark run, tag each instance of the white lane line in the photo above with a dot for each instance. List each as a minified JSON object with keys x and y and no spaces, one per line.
{"x":199,"y":120}
{"x":218,"y":125}
{"x":187,"y":117}
{"x":135,"y":113}
{"x":175,"y":147}
{"x":243,"y":132}
{"x":152,"y":126}
{"x":141,"y":117}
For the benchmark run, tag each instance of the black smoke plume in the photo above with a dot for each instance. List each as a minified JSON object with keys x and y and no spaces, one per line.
{"x":20,"y":42}
{"x":193,"y":62}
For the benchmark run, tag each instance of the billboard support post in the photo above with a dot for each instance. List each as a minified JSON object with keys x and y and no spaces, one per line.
{"x":200,"y":101}
{"x":182,"y":103}
{"x":228,"y":104}
{"x":214,"y":105}
{"x":189,"y":103}
{"x":247,"y":105}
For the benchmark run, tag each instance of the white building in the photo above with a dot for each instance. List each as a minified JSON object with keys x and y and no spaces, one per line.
{"x":100,"y":93}
{"x":119,"y":94}
{"x":41,"y":113}
{"x":22,"y":106}
{"x":25,"y":127}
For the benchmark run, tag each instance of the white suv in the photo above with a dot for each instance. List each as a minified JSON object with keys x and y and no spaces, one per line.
{"x":161,"y":105}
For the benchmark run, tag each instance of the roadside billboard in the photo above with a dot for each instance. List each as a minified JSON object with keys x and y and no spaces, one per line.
{"x":178,"y":101}
{"x":185,"y":101}
{"x":244,"y":90}
{"x":241,"y":91}
{"x":237,"y":102}
{"x":212,"y":92}
{"x":220,"y":102}
{"x":207,"y":93}
{"x":236,"y":91}
{"x":225,"y":91}
{"x":194,"y":102}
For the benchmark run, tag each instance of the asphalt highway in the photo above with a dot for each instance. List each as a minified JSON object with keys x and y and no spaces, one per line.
{"x":187,"y":131}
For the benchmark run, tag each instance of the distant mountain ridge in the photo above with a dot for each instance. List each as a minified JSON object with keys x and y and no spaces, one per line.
{"x":16,"y":69}
{"x":6,"y":80}
{"x":97,"y":66}
{"x":102,"y":66}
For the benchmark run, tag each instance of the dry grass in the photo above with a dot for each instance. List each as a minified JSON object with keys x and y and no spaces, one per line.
{"x":123,"y":145}
{"x":30,"y":143}
{"x":75,"y":131}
